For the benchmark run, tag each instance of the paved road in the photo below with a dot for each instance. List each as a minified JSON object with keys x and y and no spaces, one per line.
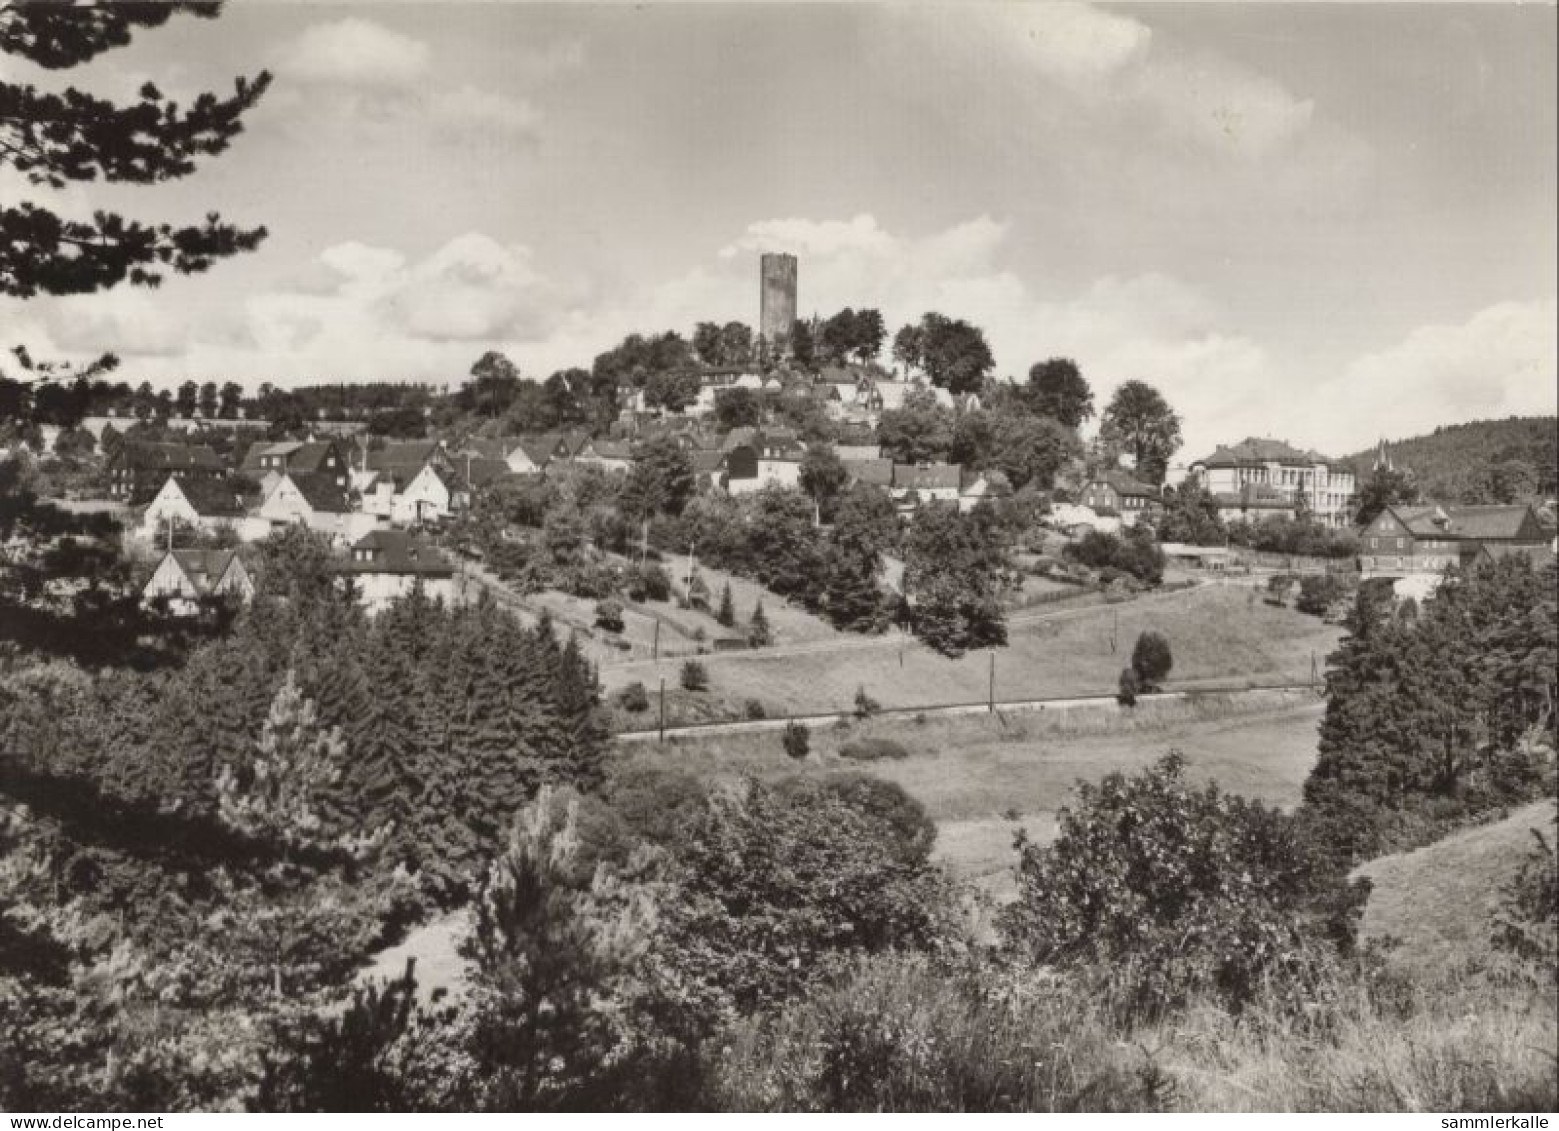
{"x":754,"y":726}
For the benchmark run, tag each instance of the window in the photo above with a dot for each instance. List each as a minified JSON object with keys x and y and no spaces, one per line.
{"x":1399,"y":544}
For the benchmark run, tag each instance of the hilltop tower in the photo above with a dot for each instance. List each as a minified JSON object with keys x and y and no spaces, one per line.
{"x":776,"y":296}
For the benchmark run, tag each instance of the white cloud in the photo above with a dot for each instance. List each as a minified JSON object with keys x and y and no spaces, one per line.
{"x":125,"y":321}
{"x":483,"y":114}
{"x":357,"y":53}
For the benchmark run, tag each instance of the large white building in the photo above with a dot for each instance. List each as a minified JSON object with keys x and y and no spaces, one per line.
{"x":1326,"y":484}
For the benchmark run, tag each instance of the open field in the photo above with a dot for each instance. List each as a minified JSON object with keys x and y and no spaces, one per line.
{"x":1438,"y":901}
{"x":1217,"y":633}
{"x":975,"y":773}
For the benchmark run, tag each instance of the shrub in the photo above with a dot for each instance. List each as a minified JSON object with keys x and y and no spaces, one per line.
{"x":797,"y":740}
{"x":727,"y":614}
{"x":609,"y":615}
{"x":695,"y":677}
{"x":759,"y":634}
{"x":865,"y":705}
{"x":1278,"y":586}
{"x":1165,"y":892}
{"x":754,"y":709}
{"x":1126,"y":694}
{"x":873,"y":750}
{"x":1151,"y":660}
{"x":1527,"y":923}
{"x":1322,"y":594}
{"x":634,"y":698}
{"x":648,"y":583}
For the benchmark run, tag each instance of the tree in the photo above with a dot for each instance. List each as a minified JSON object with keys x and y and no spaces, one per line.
{"x":919,"y":431}
{"x":1510,"y":481}
{"x":727,"y":614}
{"x":954,"y":354}
{"x":738,"y":408}
{"x":1030,"y":450}
{"x":796,"y":740}
{"x":1056,"y":389}
{"x":957,"y":571}
{"x":706,"y":343}
{"x":1151,"y":660}
{"x":53,"y":139}
{"x":494,"y":385}
{"x":803,"y":344}
{"x":736,"y":344}
{"x":661,"y":481}
{"x":870,"y":333}
{"x":1191,"y":515}
{"x":909,"y":348}
{"x":1139,"y":421}
{"x":208,"y":400}
{"x":1386,"y":487}
{"x":823,"y":476}
{"x":188,"y":399}
{"x":839,"y":336}
{"x":759,"y":634}
{"x":232,"y":400}
{"x":694,"y":676}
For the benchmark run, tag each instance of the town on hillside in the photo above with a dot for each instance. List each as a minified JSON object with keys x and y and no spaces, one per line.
{"x":481,"y":633}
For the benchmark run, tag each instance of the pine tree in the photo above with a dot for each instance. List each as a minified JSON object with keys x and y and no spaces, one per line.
{"x":727,"y":614}
{"x":758,"y":632}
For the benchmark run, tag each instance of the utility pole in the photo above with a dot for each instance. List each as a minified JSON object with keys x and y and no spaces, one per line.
{"x":655,"y":648}
{"x":662,"y":709}
{"x":991,"y":700}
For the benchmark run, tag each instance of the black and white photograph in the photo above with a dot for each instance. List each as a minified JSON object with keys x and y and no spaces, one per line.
{"x":778,"y":558}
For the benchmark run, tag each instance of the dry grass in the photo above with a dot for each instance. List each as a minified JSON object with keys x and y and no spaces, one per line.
{"x":1217,"y":633}
{"x":1437,"y":901}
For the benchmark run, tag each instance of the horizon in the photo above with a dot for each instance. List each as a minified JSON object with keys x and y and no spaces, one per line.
{"x":1270,"y":214}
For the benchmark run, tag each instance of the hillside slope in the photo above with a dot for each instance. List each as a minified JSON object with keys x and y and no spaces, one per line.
{"x":1439,"y":900}
{"x":1452,"y":463}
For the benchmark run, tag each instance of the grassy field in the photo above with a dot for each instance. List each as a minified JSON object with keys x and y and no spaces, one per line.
{"x":980,"y":778}
{"x":1438,"y":900}
{"x":1216,"y":633}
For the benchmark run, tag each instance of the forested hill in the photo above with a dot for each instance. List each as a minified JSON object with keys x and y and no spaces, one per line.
{"x":1484,"y":461}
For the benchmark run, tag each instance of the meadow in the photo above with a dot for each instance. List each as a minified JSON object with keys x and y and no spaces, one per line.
{"x":1218,"y":633}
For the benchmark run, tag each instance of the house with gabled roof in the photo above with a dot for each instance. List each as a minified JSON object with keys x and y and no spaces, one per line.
{"x":1119,"y":493}
{"x":976,"y":487}
{"x":199,"y":504}
{"x":1404,"y":540}
{"x":609,"y":455}
{"x":318,"y":502}
{"x":876,"y":472}
{"x":267,"y":462}
{"x":184,"y":578}
{"x":137,"y":470}
{"x":386,"y":565}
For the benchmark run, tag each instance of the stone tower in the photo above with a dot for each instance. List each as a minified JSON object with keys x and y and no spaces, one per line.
{"x":776,"y":296}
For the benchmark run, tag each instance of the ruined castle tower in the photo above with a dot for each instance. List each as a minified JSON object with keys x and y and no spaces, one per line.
{"x":776,"y":296}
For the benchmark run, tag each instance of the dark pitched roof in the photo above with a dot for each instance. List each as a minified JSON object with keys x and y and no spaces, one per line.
{"x":145,"y":455}
{"x":1127,"y":487}
{"x":933,"y":477}
{"x":480,"y":471}
{"x":204,"y":568}
{"x":211,"y":498}
{"x":396,"y":551}
{"x":1252,"y":451}
{"x":401,"y":456}
{"x":322,"y":493}
{"x":706,"y":462}
{"x":1499,"y":523}
{"x":877,"y":472}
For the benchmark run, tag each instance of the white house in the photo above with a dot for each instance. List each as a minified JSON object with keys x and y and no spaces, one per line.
{"x":428,"y":495}
{"x":979,"y":486}
{"x":183,"y":577}
{"x":386,"y":565}
{"x":1271,"y":472}
{"x":317,"y":502}
{"x":199,"y":504}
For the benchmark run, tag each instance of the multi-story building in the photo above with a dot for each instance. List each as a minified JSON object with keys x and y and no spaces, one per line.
{"x":139,"y":468}
{"x":1327,"y":485}
{"x":1118,"y":493}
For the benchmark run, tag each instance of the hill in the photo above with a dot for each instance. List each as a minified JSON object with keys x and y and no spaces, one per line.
{"x":1454,"y":463}
{"x":1439,"y":900}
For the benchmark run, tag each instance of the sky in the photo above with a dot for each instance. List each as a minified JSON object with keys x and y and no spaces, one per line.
{"x":1324,"y":223}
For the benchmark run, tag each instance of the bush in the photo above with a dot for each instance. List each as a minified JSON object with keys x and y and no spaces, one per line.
{"x":865,"y":705}
{"x":1135,"y":553}
{"x":1126,"y":694}
{"x":1527,"y":923}
{"x":1151,"y":660}
{"x":759,"y":634}
{"x":695,"y":677}
{"x":609,"y":615}
{"x":1323,"y":595}
{"x":1165,"y":892}
{"x":634,"y":698}
{"x":873,"y":750}
{"x":648,"y":583}
{"x":754,"y":709}
{"x":797,"y":740}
